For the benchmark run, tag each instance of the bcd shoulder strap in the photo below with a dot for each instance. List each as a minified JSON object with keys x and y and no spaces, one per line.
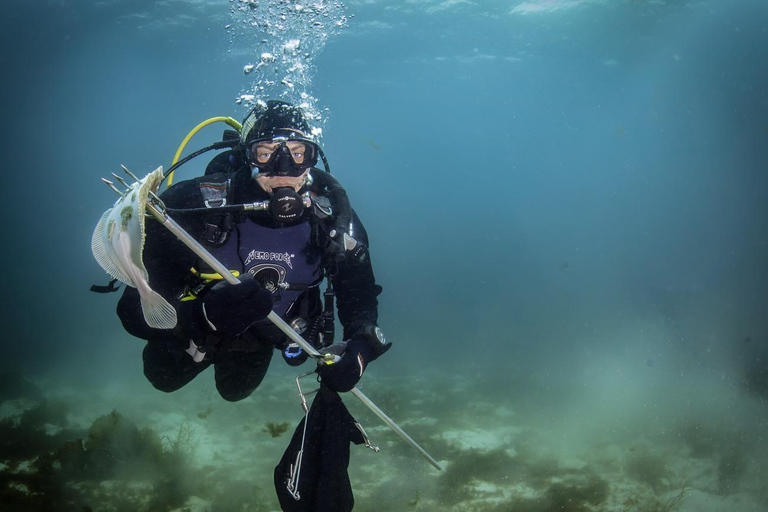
{"x":215,"y":191}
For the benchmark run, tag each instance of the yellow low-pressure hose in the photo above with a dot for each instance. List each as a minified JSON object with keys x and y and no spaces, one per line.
{"x":231,"y":122}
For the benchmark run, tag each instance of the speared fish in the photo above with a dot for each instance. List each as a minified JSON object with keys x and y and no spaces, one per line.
{"x":118,"y":245}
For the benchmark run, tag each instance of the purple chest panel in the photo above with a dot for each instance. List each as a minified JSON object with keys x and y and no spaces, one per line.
{"x":282,"y":259}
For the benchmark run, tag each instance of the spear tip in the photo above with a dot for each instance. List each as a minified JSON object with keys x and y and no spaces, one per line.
{"x":111,"y":185}
{"x":129,"y":173}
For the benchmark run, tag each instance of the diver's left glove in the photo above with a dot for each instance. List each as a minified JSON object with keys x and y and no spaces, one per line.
{"x":231,"y":309}
{"x":367,"y":344}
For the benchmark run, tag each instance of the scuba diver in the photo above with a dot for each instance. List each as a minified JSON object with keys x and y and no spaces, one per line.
{"x":293,"y":228}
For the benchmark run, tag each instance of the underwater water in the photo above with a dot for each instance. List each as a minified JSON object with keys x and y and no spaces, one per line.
{"x":568,"y":210}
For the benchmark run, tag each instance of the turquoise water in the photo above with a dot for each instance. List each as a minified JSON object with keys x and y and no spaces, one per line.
{"x":567,"y":209}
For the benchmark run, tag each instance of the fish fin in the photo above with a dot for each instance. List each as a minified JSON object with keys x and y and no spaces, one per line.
{"x":158,"y":313}
{"x":100,"y":250}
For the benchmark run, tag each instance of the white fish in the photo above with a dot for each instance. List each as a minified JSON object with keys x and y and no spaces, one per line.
{"x":118,"y":246}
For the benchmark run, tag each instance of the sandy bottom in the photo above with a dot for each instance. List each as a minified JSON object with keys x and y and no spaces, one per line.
{"x":504,"y":446}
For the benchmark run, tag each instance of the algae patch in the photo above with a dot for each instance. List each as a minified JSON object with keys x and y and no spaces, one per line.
{"x":126,"y":214}
{"x":276,"y":429}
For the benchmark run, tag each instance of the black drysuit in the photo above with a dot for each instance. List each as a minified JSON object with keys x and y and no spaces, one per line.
{"x":240,"y":362}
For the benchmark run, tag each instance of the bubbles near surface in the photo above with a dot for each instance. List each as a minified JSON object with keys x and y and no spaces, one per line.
{"x":288,"y":36}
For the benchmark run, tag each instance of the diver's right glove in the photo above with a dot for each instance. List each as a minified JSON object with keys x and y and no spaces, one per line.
{"x":231,"y":309}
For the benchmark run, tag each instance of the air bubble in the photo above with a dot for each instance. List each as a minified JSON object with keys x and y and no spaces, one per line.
{"x":289,"y":33}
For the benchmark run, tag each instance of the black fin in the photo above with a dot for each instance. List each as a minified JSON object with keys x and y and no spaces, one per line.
{"x":105,"y":289}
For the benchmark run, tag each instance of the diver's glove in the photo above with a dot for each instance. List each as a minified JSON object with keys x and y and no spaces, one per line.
{"x":231,"y":309}
{"x":367,"y":344}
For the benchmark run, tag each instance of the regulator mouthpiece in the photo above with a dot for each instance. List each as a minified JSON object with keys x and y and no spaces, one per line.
{"x":286,"y":205}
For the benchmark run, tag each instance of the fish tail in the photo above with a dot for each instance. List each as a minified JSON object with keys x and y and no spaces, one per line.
{"x":158,"y":313}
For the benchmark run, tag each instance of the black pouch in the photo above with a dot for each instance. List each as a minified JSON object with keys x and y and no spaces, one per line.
{"x":323,"y":484}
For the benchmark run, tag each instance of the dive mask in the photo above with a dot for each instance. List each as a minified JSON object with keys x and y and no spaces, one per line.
{"x":281,"y":156}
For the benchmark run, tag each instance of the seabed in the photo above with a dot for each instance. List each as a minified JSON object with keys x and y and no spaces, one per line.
{"x":506,"y":446}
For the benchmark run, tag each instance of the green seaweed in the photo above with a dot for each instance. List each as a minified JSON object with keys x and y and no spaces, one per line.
{"x":469,"y":466}
{"x":203,"y":415}
{"x":67,"y":470}
{"x":276,"y":429}
{"x":731,"y":468}
{"x":637,"y":503}
{"x":25,"y":437}
{"x":577,"y":498}
{"x":648,"y":469}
